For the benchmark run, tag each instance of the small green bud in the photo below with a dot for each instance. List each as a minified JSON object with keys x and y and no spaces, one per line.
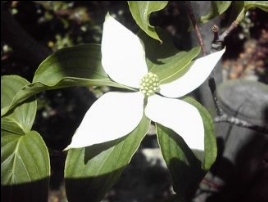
{"x":149,"y":84}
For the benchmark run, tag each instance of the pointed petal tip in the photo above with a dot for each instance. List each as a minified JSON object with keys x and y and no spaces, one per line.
{"x":112,"y":116}
{"x":67,"y":148}
{"x":194,"y":77}
{"x":123,"y":54}
{"x":108,"y":16}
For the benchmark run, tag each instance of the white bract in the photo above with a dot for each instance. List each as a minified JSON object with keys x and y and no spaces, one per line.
{"x":116,"y":114}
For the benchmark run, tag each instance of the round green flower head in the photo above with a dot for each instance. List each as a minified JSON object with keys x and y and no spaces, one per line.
{"x":149,"y":84}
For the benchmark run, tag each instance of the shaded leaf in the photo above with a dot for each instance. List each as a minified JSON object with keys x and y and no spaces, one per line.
{"x":241,"y":8}
{"x":90,"y":172}
{"x":256,"y":4}
{"x":210,"y":153}
{"x":30,"y":192}
{"x":217,"y":8}
{"x":185,"y":166}
{"x":247,"y":5}
{"x":141,"y":11}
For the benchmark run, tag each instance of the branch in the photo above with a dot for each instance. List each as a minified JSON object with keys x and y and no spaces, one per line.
{"x":223,"y":117}
{"x":197,"y":31}
{"x":227,"y":32}
{"x":217,"y":44}
{"x":213,"y":89}
{"x":240,"y":123}
{"x":218,"y":40}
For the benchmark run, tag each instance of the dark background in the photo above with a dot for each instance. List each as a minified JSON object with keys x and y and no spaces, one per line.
{"x":31,"y":31}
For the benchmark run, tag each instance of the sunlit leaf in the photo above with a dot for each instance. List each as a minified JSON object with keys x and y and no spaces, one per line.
{"x":25,"y":167}
{"x":75,"y":66}
{"x":164,"y":59}
{"x":21,"y":119}
{"x":175,"y":66}
{"x":76,"y":62}
{"x":141,"y":11}
{"x":256,"y":4}
{"x":24,"y":158}
{"x":10,"y":85}
{"x":90,"y":172}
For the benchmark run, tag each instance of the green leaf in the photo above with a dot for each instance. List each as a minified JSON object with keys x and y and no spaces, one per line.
{"x":82,"y":61}
{"x":25,"y":167}
{"x":247,"y":5}
{"x":75,"y":66}
{"x":10,"y":85}
{"x":23,"y":94}
{"x":217,"y":8}
{"x":210,"y":153}
{"x":90,"y":172}
{"x":238,"y":11}
{"x":21,"y":119}
{"x":174,"y":66}
{"x":185,"y":166}
{"x":24,"y":158}
{"x":141,"y":11}
{"x":164,"y":59}
{"x":256,"y":4}
{"x":241,"y":8}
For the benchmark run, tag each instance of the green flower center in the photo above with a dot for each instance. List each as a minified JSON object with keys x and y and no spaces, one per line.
{"x":149,"y":84}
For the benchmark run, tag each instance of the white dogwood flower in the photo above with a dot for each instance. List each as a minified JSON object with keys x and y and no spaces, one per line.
{"x":116,"y":114}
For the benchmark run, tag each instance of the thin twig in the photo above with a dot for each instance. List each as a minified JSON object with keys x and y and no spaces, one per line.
{"x":217,"y":44}
{"x":227,"y":31}
{"x":239,"y":122}
{"x":213,"y":89}
{"x":197,"y":31}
